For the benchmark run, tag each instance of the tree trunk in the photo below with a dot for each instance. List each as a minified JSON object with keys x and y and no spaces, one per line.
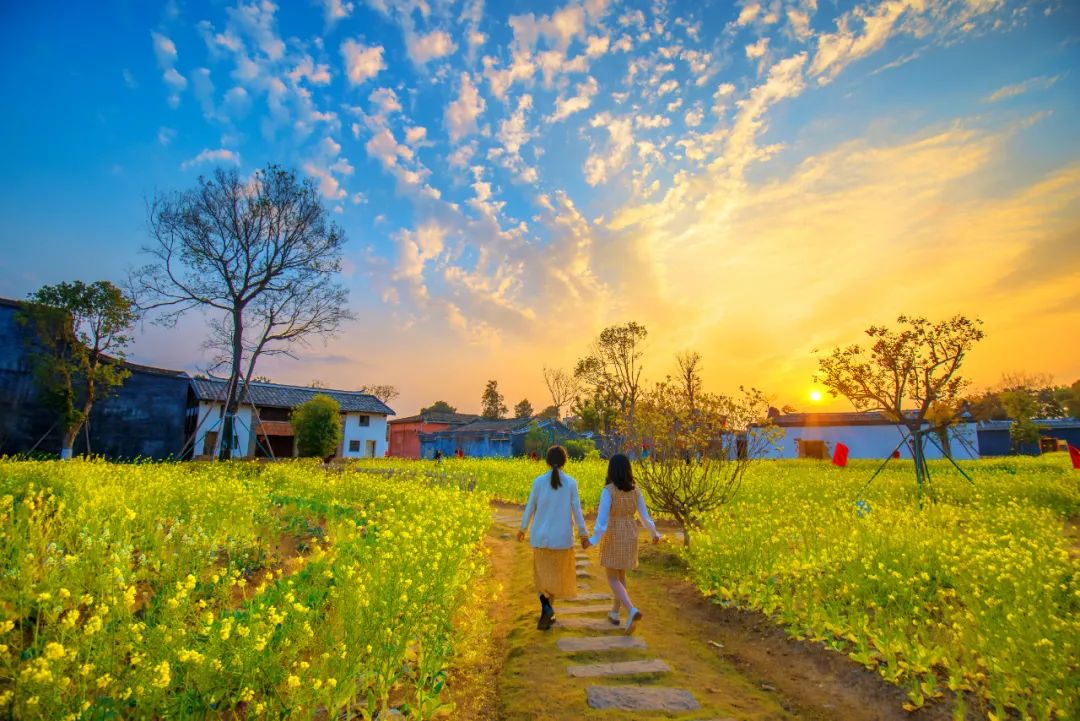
{"x":68,"y":443}
{"x":232,"y":401}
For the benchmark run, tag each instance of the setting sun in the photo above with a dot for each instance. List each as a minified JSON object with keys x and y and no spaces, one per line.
{"x":815,"y":396}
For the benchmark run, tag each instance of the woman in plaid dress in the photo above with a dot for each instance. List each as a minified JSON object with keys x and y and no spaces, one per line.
{"x":616,"y":531}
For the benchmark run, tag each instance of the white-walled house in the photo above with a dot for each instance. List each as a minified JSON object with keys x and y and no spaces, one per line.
{"x":867,"y":435}
{"x":263,"y":426}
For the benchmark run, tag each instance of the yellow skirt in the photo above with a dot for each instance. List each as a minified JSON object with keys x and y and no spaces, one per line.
{"x":554,"y":572}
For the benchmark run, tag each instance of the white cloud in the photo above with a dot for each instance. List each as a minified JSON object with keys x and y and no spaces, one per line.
{"x":424,"y":48}
{"x":758,"y":49}
{"x":837,"y":50}
{"x":694,"y":117}
{"x":385,"y":101}
{"x":522,"y":68}
{"x":461,"y":114}
{"x":221,"y":155}
{"x":513,"y":134}
{"x":329,"y":186}
{"x":565,"y":107}
{"x":417,"y":248}
{"x":597,"y":45}
{"x":129,"y":79}
{"x":362,"y":62}
{"x":165,"y":136}
{"x":165,"y":51}
{"x":600,"y":165}
{"x":749,"y":12}
{"x":1011,"y":91}
{"x":416,"y":134}
{"x":334,"y":10}
{"x":315,"y":74}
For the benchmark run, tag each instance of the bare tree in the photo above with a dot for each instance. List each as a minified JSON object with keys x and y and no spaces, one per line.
{"x":385,"y":393}
{"x":695,"y":454}
{"x":916,"y":365}
{"x":562,"y":386}
{"x":259,"y":255}
{"x":690,"y":374}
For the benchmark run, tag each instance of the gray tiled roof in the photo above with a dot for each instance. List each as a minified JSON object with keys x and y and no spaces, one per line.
{"x":274,"y":395}
{"x":450,"y":419}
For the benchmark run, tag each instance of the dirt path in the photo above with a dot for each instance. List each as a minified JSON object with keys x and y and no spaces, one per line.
{"x":690,"y":659}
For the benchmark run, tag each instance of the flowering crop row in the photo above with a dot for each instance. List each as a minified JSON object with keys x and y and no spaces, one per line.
{"x":233,"y":590}
{"x":977,"y":594}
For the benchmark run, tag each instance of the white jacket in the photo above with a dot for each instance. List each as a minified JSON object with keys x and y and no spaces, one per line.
{"x":554,"y":510}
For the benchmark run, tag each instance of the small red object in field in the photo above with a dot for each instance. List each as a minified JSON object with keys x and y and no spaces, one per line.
{"x":839,"y":456}
{"x":1074,"y":454}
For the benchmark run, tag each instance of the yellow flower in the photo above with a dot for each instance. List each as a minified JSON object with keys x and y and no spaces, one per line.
{"x":294,"y":681}
{"x":54,"y":651}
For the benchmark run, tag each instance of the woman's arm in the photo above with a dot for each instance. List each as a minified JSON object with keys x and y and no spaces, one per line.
{"x":601,"y":517}
{"x":579,"y":517}
{"x":644,"y":513}
{"x":530,"y":509}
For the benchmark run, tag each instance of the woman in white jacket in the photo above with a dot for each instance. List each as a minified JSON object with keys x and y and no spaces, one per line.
{"x":553,"y":507}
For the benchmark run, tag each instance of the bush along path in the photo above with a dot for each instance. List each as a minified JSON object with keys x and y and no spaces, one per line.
{"x":687,"y":660}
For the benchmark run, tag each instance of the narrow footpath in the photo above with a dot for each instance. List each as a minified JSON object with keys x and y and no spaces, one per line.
{"x":687,"y":659}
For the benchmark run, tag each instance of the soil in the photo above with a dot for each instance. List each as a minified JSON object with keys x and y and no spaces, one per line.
{"x":738,"y":664}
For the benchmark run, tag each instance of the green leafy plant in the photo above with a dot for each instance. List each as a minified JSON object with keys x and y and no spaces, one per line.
{"x":317,"y":425}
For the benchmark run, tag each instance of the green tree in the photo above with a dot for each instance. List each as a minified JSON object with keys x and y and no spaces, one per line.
{"x":549,"y":413}
{"x":537,"y":440}
{"x":439,"y":407}
{"x":78,"y":336}
{"x":317,"y":427}
{"x":905,"y":373}
{"x":523,"y":409}
{"x":491,"y":403}
{"x":1022,"y":407}
{"x":611,"y":372}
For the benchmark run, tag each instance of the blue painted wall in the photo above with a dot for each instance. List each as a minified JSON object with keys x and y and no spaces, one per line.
{"x":996,"y":442}
{"x":143,"y":419}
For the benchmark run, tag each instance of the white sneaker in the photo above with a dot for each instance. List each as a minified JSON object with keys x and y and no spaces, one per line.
{"x":613,"y":616}
{"x":632,"y":617}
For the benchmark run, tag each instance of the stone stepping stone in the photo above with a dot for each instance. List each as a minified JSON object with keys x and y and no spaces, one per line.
{"x":621,"y":668}
{"x":590,"y":597}
{"x":584,"y":574}
{"x":595,"y":608}
{"x":586,"y":624}
{"x":599,"y":643}
{"x":641,"y":698}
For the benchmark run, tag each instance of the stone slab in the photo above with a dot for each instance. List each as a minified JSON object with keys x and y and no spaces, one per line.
{"x":590,"y":597}
{"x":641,"y":698}
{"x":599,"y":643}
{"x":595,"y":608}
{"x":621,"y":668}
{"x":584,"y":574}
{"x":586,"y":624}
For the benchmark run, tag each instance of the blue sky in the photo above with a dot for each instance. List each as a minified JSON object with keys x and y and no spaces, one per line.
{"x":755,"y":180}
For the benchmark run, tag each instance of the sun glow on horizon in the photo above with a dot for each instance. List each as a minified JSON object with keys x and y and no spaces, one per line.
{"x":815,"y":396}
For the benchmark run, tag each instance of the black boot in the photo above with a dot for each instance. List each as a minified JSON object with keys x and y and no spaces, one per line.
{"x":547,"y":614}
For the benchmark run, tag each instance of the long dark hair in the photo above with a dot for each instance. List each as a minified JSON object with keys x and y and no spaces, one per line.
{"x":556,"y":458}
{"x":620,"y":472}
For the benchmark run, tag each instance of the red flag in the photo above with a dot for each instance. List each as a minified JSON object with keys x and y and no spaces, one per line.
{"x":1074,"y":454}
{"x":839,"y":456}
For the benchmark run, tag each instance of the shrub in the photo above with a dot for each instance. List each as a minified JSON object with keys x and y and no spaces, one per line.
{"x":579,"y":449}
{"x":317,"y":426}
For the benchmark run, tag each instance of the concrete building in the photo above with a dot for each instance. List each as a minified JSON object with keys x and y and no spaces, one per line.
{"x":405,"y":432}
{"x":144,"y":418}
{"x":490,"y":438}
{"x":1054,"y":435}
{"x":263,"y":426}
{"x":867,"y":435}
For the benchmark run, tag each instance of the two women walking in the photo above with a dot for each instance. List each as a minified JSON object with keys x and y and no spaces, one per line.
{"x":554,"y":505}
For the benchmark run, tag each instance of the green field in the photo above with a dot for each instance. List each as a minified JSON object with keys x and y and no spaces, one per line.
{"x":269,"y":590}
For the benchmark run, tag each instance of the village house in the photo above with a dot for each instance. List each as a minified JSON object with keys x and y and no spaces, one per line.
{"x":263,"y":423}
{"x":1055,"y":434}
{"x":490,"y":438}
{"x":405,"y":433}
{"x":866,"y":435}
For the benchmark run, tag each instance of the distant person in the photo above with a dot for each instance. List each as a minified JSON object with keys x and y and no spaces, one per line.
{"x":616,"y":532}
{"x":553,"y":508}
{"x":438,"y":456}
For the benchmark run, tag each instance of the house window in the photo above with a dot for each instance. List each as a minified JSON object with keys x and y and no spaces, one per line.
{"x":354,"y":446}
{"x":363,"y":420}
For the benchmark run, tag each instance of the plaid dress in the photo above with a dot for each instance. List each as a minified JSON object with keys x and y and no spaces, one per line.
{"x":619,"y":545}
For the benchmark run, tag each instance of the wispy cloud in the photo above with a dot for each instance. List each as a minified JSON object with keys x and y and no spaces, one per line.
{"x":221,"y":155}
{"x":1011,"y":91}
